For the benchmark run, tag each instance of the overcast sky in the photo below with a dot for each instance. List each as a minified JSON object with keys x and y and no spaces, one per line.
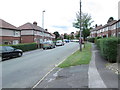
{"x":59,"y":14}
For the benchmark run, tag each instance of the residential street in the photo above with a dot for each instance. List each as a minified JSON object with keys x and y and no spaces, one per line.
{"x":93,"y":75}
{"x":26,"y":71}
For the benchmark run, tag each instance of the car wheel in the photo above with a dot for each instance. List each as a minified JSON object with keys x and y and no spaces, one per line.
{"x":19,"y":54}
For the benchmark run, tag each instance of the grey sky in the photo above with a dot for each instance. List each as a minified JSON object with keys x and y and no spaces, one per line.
{"x":59,"y":15}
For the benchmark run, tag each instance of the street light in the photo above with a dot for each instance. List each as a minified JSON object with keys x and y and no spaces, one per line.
{"x":43,"y":24}
{"x":43,"y":19}
{"x":80,"y":29}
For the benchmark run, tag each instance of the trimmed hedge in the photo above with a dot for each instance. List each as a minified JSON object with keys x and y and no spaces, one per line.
{"x":91,"y":40}
{"x":96,"y":39}
{"x":108,"y":48}
{"x":26,"y":46}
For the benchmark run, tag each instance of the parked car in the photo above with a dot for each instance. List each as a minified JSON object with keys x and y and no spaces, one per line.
{"x":59,"y":43}
{"x":48,"y":44}
{"x":7,"y":52}
{"x":66,"y":40}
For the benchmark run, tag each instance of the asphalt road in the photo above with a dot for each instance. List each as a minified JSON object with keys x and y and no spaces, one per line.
{"x":25,"y":71}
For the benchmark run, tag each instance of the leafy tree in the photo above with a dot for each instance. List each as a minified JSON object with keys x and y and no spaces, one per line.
{"x":65,"y":36}
{"x":77,"y":35}
{"x":72,"y":36}
{"x":56,"y":34}
{"x":86,"y":22}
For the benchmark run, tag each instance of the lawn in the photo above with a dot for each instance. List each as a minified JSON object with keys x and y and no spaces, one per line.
{"x":78,"y":57}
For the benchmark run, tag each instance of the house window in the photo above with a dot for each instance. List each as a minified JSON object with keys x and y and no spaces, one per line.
{"x":7,"y":42}
{"x":16,"y":33}
{"x":119,"y":25}
{"x":15,"y":42}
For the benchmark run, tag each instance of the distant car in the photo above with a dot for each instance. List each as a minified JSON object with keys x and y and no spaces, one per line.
{"x":7,"y":52}
{"x":59,"y":43}
{"x":67,"y":41}
{"x":48,"y":44}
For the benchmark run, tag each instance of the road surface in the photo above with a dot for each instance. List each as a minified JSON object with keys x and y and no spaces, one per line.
{"x":26,"y":71}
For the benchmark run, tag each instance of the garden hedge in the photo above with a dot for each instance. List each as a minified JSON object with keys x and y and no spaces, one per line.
{"x":91,"y":40}
{"x":26,"y":46}
{"x":108,"y":48}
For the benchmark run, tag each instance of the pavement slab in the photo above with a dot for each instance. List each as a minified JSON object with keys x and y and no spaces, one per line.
{"x":71,"y":77}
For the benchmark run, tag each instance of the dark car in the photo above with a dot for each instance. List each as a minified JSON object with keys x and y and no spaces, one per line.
{"x":7,"y":52}
{"x":48,"y":44}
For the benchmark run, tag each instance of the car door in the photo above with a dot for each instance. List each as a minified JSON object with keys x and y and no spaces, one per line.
{"x":11,"y":51}
{"x":5,"y":53}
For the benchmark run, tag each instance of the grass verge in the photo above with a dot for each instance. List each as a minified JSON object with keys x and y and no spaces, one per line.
{"x":78,"y":57}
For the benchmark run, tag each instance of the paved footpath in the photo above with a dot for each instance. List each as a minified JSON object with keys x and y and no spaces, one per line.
{"x":94,"y":75}
{"x":108,"y":77}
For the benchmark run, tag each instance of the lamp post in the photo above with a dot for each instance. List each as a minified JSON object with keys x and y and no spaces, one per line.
{"x":43,"y":24}
{"x":80,"y":29}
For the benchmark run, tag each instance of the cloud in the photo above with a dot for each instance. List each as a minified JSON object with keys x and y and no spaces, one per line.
{"x":62,"y":27}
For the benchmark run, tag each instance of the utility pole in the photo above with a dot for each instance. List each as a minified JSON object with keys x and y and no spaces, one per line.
{"x":80,"y":29}
{"x":43,"y":25}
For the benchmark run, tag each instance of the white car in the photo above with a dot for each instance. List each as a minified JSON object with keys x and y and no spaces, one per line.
{"x":59,"y":43}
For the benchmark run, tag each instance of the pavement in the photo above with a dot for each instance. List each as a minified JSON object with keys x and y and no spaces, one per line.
{"x":94,"y":75}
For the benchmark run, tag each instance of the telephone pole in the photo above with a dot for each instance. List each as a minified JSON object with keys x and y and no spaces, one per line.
{"x":80,"y":29}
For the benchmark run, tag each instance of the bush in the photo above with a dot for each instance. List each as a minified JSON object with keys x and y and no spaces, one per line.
{"x":108,"y":48}
{"x":91,"y":40}
{"x":97,"y":39}
{"x":26,"y":47}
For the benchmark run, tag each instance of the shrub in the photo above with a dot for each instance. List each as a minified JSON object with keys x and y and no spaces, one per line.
{"x":91,"y":40}
{"x":96,"y":39}
{"x":108,"y":48}
{"x":26,"y":46}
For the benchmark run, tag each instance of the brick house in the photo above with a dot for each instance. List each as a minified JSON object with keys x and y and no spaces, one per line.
{"x":96,"y":31}
{"x":110,"y":29}
{"x":48,"y":36}
{"x":32,"y":33}
{"x":118,"y":28}
{"x":9,"y":34}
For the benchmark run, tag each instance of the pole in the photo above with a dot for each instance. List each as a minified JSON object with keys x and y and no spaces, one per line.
{"x":43,"y":25}
{"x":80,"y":29}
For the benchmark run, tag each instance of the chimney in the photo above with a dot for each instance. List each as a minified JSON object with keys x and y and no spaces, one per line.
{"x":96,"y":25}
{"x":35,"y":23}
{"x":46,"y":29}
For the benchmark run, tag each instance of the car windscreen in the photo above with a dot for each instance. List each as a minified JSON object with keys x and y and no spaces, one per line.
{"x":46,"y":42}
{"x":59,"y":41}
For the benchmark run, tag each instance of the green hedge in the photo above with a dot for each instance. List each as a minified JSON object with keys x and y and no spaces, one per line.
{"x":95,"y":40}
{"x":26,"y":46}
{"x":108,"y":48}
{"x":91,"y":40}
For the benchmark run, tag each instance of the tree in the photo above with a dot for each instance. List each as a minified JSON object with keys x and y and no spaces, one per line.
{"x":86,"y":22}
{"x":72,"y":36}
{"x":65,"y":36}
{"x":110,"y":19}
{"x":56,"y":34}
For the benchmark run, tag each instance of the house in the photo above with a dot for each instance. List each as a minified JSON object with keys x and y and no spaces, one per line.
{"x":32,"y":33}
{"x":96,"y":31}
{"x":118,"y":28}
{"x":110,"y":29}
{"x":9,"y":34}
